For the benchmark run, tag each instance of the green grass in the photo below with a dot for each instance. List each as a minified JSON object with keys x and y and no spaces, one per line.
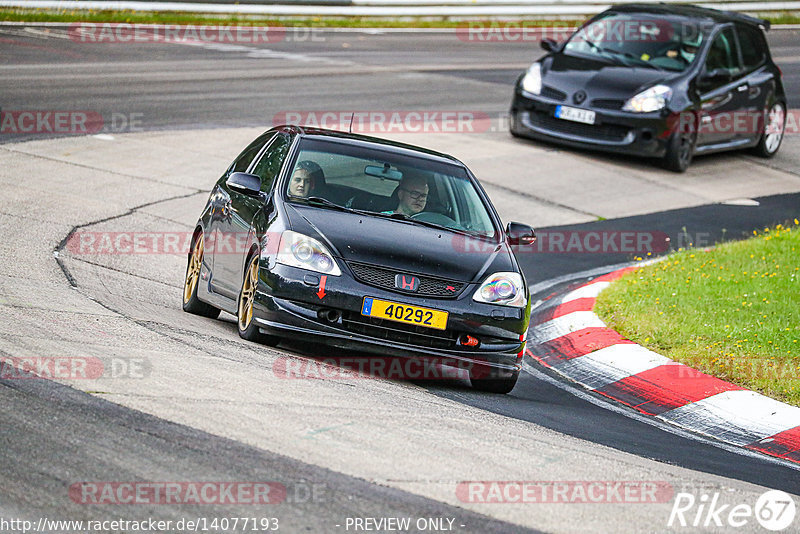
{"x":73,"y":15}
{"x":49,"y":15}
{"x":732,"y":311}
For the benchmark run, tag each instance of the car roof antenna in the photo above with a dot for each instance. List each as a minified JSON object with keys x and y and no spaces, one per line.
{"x":350,"y":130}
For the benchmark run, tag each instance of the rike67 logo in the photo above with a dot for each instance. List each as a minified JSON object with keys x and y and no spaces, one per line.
{"x":774,"y":510}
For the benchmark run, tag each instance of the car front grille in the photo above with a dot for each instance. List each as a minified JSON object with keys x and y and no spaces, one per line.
{"x":384,"y":278}
{"x":553,"y":94}
{"x":600,"y":132}
{"x":375,"y":327}
{"x":607,"y":103}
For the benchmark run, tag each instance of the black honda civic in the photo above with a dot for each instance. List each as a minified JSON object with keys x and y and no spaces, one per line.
{"x":365,"y":244}
{"x":665,"y":81}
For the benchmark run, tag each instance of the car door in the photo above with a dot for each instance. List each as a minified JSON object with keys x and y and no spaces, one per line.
{"x":758,"y":79}
{"x":219,"y":240}
{"x":722,"y":100}
{"x":229,"y":259}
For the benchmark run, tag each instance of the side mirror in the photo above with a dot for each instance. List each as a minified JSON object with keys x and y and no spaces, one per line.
{"x":242,"y":182}
{"x":714,"y":77}
{"x":549,"y":45}
{"x":520,"y":234}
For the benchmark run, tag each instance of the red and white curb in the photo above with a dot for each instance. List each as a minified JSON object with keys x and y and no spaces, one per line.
{"x":568,"y":337}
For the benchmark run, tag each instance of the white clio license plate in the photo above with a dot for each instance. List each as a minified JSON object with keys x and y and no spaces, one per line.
{"x":574,"y":114}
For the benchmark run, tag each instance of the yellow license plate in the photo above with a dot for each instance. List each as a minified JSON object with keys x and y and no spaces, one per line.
{"x":404,"y":313}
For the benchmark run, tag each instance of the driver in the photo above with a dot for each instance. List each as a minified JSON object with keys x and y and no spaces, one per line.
{"x":689,"y":48}
{"x":412,"y":195}
{"x":307,"y":177}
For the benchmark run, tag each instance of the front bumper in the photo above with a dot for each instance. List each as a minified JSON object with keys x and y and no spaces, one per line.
{"x":287,"y":304}
{"x":618,"y":131}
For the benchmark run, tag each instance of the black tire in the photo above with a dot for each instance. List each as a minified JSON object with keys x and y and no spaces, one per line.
{"x":493,"y":380}
{"x":771,"y":139}
{"x":680,"y":149}
{"x":248,"y":329}
{"x":512,"y":126}
{"x":191,"y":303}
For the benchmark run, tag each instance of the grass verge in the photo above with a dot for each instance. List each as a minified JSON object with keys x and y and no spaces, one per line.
{"x":141,"y":17}
{"x":732,"y":311}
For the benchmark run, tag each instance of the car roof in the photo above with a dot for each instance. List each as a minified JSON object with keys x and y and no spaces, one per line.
{"x":368,"y":142}
{"x":691,"y":11}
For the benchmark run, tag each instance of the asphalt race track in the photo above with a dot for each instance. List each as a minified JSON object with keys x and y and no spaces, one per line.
{"x":189,"y":401}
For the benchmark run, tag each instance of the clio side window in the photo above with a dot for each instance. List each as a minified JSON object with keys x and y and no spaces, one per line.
{"x":723,"y":53}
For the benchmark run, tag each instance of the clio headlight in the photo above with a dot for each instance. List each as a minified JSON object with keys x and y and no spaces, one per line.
{"x":532,"y":81}
{"x":649,"y":100}
{"x":506,"y":289}
{"x":298,"y":250}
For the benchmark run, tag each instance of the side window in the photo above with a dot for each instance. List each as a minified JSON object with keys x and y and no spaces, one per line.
{"x":271,"y":161}
{"x":243,"y":160}
{"x":753,"y":47}
{"x":723,"y":53}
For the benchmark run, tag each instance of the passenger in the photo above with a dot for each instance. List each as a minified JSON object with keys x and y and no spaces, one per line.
{"x":412,"y":195}
{"x":301,"y":184}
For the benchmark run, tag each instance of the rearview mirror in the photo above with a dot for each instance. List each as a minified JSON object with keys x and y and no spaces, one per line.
{"x":520,"y":234}
{"x":383,"y":172}
{"x":242,"y":182}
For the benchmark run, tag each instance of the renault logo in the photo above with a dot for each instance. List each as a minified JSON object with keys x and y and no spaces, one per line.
{"x":579,"y":97}
{"x":406,"y":282}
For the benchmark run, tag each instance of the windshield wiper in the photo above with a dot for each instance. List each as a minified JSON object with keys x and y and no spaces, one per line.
{"x":404,"y":217}
{"x":319,"y":201}
{"x":324,"y":202}
{"x":642,"y":61}
{"x":627,"y":55}
{"x":606,"y":51}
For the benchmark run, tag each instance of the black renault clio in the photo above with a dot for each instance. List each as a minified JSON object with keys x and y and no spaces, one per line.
{"x":666,"y":81}
{"x":365,"y":244}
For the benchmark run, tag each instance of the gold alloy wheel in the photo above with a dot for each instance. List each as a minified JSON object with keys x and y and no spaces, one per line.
{"x":247,"y":296}
{"x":193,"y":270}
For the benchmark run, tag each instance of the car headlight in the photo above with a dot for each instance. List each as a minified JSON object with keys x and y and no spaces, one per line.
{"x":532,"y":81}
{"x":502,"y":288}
{"x":649,"y":100}
{"x":298,"y":250}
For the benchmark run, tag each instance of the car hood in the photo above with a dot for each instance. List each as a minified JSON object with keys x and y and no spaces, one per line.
{"x":597,"y":78}
{"x":401,"y":245}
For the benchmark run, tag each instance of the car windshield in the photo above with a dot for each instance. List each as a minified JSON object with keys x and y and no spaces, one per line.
{"x":380,"y":183}
{"x":640,"y":40}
